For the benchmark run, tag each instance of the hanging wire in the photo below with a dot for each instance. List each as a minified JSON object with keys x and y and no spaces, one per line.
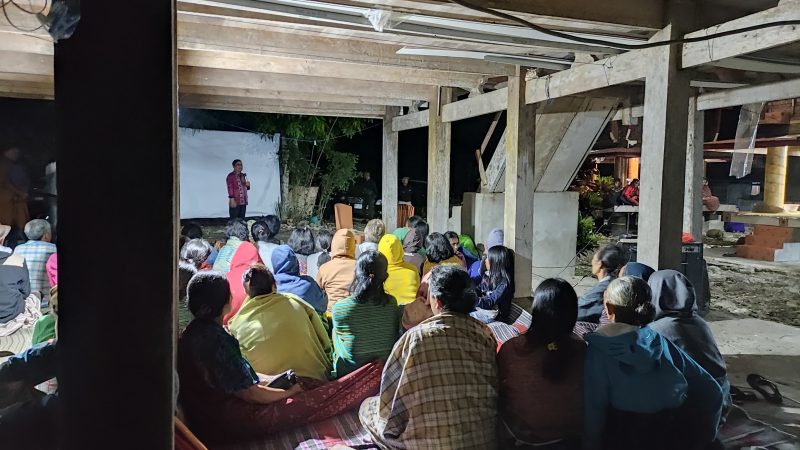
{"x":618,"y":45}
{"x":5,"y":4}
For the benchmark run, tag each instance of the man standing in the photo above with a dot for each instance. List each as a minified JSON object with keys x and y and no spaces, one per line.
{"x":406,"y":192}
{"x":238,"y":185}
{"x":370,"y":194}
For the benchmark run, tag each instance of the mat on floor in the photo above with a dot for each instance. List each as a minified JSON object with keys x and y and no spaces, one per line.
{"x":743,"y":432}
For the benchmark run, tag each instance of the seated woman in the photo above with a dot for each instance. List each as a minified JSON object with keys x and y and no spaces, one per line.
{"x":439,"y":252}
{"x":264,"y":233}
{"x":373,"y":232}
{"x":323,"y":255}
{"x":19,"y":306}
{"x":677,"y":320}
{"x":336,"y":276}
{"x":467,"y":247}
{"x":452,"y":237}
{"x":365,"y":325}
{"x":412,"y":243}
{"x":606,"y":263}
{"x":236,"y":234}
{"x":225,"y":400}
{"x":302,"y":242}
{"x":710,"y":201}
{"x":641,"y":390}
{"x":403,"y":279}
{"x":497,"y":291}
{"x":439,"y":387}
{"x":245,"y":256}
{"x":279,"y":332}
{"x":193,"y":258}
{"x":45,"y":327}
{"x":289,"y":280}
{"x":477,"y":270}
{"x":541,"y":372}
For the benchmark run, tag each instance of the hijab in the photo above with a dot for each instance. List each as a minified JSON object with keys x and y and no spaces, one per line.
{"x":412,"y":242}
{"x":639,"y":270}
{"x":677,"y":320}
{"x":289,"y":280}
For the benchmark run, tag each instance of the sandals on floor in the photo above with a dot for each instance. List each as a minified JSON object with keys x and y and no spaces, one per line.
{"x":739,"y":396}
{"x":766,"y":388}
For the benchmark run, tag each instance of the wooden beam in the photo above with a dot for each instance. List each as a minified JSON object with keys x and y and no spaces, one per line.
{"x":332,"y":69}
{"x":663,"y":157}
{"x":411,"y":121}
{"x":693,"y":186}
{"x":275,"y":94}
{"x":26,"y":89}
{"x":389,"y":165}
{"x":476,"y":106}
{"x":439,"y":142}
{"x":647,"y":13}
{"x":519,"y":188}
{"x":281,"y":106}
{"x":704,"y":52}
{"x":195,"y":76}
{"x":751,"y":94}
{"x":215,"y":33}
{"x":26,"y":63}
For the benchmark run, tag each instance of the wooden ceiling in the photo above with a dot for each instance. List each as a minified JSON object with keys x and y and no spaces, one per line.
{"x":315,"y":57}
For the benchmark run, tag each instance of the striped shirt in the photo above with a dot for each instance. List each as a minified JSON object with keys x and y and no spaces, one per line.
{"x":36,"y":254}
{"x":362,"y":332}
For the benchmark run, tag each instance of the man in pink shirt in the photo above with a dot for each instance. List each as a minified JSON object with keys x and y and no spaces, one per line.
{"x":238,"y":185}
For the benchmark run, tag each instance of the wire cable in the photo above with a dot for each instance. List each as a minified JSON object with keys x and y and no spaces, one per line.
{"x":4,"y":5}
{"x":617,"y":45}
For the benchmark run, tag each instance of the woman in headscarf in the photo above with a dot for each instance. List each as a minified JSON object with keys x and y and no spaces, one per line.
{"x":636,"y":269}
{"x":245,"y":256}
{"x":403,"y":279}
{"x":439,"y":386}
{"x":468,"y":249}
{"x":677,"y":320}
{"x":289,"y":280}
{"x":412,"y":242}
{"x":336,"y":276}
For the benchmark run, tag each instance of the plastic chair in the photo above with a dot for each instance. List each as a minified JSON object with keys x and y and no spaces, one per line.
{"x":344,"y":216}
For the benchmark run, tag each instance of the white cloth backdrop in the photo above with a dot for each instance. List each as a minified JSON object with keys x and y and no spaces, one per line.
{"x":205,"y":160}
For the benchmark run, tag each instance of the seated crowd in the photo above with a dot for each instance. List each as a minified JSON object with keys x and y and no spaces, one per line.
{"x":274,"y":336}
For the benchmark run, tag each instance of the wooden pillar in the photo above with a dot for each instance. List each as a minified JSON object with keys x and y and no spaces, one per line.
{"x":520,"y":157}
{"x":775,"y":176}
{"x":693,"y":199}
{"x":389,"y":171}
{"x":663,"y":162}
{"x":115,"y":84}
{"x":439,"y":140}
{"x":621,"y":168}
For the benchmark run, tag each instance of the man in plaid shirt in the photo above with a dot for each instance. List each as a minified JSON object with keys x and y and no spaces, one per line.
{"x":36,"y":252}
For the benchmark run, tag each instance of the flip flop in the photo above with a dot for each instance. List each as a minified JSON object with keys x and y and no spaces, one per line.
{"x":761,"y":385}
{"x":739,"y":396}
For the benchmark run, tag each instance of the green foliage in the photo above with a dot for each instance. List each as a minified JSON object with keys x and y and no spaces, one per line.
{"x":309,"y":154}
{"x":605,"y":184}
{"x":587,"y":237}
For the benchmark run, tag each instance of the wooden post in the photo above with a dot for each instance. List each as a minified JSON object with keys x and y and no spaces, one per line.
{"x":117,"y":161}
{"x":663,"y":162}
{"x":389,"y":171}
{"x":518,"y":210}
{"x":775,"y":176}
{"x":438,"y":160}
{"x":693,"y":200}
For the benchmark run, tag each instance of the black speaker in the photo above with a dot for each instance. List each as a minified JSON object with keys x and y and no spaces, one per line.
{"x":692,"y":265}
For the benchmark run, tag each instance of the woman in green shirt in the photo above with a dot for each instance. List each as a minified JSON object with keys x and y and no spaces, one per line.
{"x":365,"y":325}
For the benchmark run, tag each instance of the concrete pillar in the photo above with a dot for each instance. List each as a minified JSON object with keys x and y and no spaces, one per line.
{"x":555,"y":236}
{"x":520,"y":157}
{"x":116,"y":122}
{"x":693,"y":199}
{"x":389,"y":171}
{"x":663,"y":162}
{"x":775,"y":176}
{"x":439,"y":160}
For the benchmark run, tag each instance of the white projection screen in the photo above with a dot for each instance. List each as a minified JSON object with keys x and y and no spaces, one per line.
{"x":205,"y":160}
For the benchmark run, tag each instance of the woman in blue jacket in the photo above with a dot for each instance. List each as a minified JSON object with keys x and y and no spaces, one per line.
{"x":642,"y":391}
